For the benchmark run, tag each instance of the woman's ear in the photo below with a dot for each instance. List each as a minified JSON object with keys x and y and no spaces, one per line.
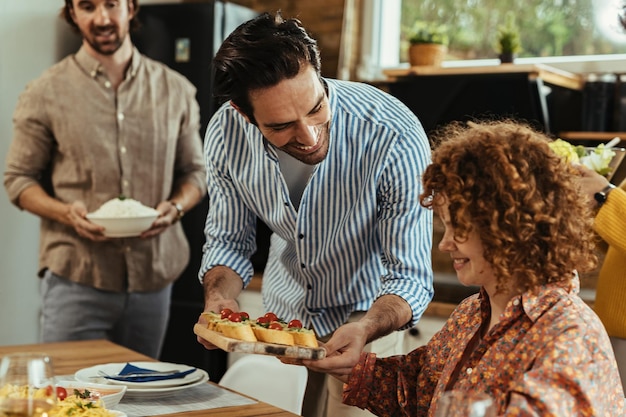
{"x":245,"y":116}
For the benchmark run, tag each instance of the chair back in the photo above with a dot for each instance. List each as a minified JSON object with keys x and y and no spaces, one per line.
{"x":269,"y":380}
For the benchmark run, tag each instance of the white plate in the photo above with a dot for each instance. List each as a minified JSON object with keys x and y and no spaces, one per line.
{"x":92,"y":375}
{"x":158,"y":392}
{"x":116,"y":413}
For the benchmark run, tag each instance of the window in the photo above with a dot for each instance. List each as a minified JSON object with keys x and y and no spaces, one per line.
{"x":547,"y":27}
{"x":577,"y":35}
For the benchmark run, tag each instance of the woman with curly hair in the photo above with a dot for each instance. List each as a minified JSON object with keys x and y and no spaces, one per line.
{"x":517,"y":226}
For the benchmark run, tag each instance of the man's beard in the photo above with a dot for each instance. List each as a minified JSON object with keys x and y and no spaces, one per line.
{"x":104,"y":48}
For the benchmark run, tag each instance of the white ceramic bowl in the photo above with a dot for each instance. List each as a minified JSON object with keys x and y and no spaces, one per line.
{"x":123,"y":226}
{"x":110,"y":395}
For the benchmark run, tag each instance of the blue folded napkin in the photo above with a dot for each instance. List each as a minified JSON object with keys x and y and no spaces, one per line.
{"x":145,"y":375}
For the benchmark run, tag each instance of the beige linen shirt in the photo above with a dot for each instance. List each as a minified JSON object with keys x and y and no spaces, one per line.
{"x":82,"y":140}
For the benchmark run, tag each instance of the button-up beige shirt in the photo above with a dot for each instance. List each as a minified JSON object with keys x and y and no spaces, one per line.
{"x":141,"y":141}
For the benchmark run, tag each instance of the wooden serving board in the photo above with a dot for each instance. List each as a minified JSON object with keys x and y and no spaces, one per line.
{"x":233,"y":345}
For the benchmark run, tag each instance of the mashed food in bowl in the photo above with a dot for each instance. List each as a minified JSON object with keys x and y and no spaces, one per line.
{"x":123,"y":207}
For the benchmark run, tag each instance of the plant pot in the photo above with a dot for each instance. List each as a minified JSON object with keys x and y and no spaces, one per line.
{"x":507,"y":58}
{"x":427,"y":54}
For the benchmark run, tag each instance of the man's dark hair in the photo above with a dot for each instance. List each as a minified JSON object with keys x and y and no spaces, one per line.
{"x":69,"y":5}
{"x":261,"y":53}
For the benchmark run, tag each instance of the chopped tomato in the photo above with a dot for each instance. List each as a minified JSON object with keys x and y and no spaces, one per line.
{"x":225,"y":313}
{"x":263,"y":320}
{"x":235,"y":317}
{"x":275,"y":326}
{"x":295,"y":323}
{"x":271,"y":316}
{"x":244,"y":315}
{"x":61,"y":393}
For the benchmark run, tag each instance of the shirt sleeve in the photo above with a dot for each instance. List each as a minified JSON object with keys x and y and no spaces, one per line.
{"x":405,"y":226}
{"x":29,"y":153}
{"x":609,"y":222}
{"x":189,"y":163}
{"x":230,"y":228}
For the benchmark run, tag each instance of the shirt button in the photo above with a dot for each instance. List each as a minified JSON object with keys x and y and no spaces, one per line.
{"x":469,"y":371}
{"x":300,"y":236}
{"x":120,"y":116}
{"x":107,"y":84}
{"x":125,"y":183}
{"x":123,"y":149}
{"x":287,"y":203}
{"x":94,"y":73}
{"x":302,"y":266}
{"x":309,"y":287}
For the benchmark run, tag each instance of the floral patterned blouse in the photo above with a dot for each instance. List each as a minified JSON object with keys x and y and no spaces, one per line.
{"x":548,"y":356}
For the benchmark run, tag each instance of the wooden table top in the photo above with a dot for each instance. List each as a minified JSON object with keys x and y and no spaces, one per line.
{"x":69,"y":357}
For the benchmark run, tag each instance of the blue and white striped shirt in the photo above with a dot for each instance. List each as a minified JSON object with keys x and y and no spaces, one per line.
{"x":359,"y":232}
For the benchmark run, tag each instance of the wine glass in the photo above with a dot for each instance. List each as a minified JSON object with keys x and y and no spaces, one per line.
{"x":26,"y":385}
{"x":465,"y":404}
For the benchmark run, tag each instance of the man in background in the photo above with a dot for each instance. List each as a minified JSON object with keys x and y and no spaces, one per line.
{"x":102,"y":123}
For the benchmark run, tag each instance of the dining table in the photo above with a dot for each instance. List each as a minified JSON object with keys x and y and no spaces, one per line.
{"x":69,"y":357}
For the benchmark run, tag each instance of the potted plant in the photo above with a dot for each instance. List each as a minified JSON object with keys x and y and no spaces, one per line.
{"x":508,"y":41}
{"x":428,"y":44}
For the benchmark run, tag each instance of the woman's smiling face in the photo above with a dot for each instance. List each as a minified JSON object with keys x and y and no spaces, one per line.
{"x":294,"y":116}
{"x":467,"y":256}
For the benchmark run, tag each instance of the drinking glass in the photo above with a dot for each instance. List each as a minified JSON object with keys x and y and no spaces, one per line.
{"x":26,"y":385}
{"x":465,"y":404}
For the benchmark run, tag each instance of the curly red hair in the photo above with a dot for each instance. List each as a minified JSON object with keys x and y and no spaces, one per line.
{"x":502,"y":180}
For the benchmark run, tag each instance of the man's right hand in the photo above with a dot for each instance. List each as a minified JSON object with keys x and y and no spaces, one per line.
{"x":77,"y":217}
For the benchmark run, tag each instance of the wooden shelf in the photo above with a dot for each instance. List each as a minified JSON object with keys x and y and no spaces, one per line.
{"x":546,"y":73}
{"x":599,"y":136}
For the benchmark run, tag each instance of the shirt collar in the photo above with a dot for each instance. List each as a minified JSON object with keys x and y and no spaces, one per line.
{"x":533,"y":305}
{"x":93,"y":67}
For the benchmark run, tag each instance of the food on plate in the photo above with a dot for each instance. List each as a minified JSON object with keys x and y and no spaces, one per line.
{"x":123,"y":207}
{"x":598,"y":159}
{"x":302,"y":336}
{"x":78,"y":403}
{"x":235,"y":325}
{"x":268,"y":328}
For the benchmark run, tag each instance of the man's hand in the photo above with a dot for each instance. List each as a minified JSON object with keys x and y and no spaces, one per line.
{"x":76,"y":217}
{"x":167,"y":217}
{"x":342,"y":351}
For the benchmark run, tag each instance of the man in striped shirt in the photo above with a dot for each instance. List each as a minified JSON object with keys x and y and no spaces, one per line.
{"x":333,"y":168}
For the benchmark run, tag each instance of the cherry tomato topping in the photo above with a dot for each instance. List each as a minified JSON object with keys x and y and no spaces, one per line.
{"x":236,"y":317}
{"x":295,"y":323}
{"x":271,"y":316}
{"x":263,"y":320}
{"x":275,"y":326}
{"x":49,"y":390}
{"x":244,"y":315}
{"x":61,"y":393}
{"x":225,"y":313}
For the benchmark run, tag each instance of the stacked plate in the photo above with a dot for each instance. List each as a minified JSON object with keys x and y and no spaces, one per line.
{"x":148,"y":379}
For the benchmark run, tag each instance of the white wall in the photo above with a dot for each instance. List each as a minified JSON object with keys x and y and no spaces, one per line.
{"x":32,"y":38}
{"x":28,"y":45}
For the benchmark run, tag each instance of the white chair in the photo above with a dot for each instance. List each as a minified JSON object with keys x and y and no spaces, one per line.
{"x":269,"y":380}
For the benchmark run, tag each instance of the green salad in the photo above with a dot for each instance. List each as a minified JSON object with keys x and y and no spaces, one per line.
{"x":597,"y":159}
